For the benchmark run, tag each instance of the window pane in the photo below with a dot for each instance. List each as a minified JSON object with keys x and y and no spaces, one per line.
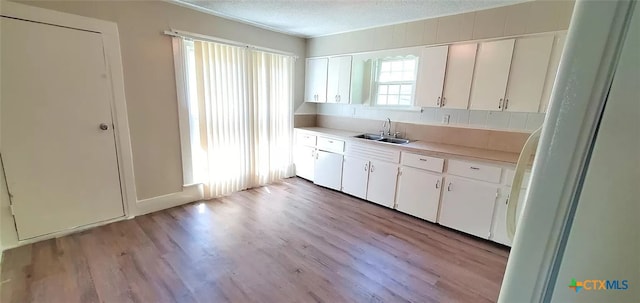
{"x":396,"y":66}
{"x":407,"y":76}
{"x":384,"y":77}
{"x":392,"y":100}
{"x":409,"y":65}
{"x":394,"y":89}
{"x":406,"y":89}
{"x":405,"y":99}
{"x":382,"y":89}
{"x":386,"y":66}
{"x":382,"y":99}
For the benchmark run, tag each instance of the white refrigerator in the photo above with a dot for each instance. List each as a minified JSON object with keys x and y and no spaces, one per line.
{"x":578,"y":238}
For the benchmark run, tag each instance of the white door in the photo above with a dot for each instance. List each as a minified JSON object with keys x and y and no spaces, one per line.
{"x":430,"y":80}
{"x":528,"y":72}
{"x":382,"y":183}
{"x":304,"y":160}
{"x":355,"y":174}
{"x":468,"y":206}
{"x":419,"y":193}
{"x":457,"y":84}
{"x":316,"y":80}
{"x":552,"y":71}
{"x":61,"y":166}
{"x":491,"y":74}
{"x":328,"y":170}
{"x":339,"y":79}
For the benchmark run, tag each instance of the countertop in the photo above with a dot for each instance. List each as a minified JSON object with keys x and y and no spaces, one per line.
{"x":422,"y":147}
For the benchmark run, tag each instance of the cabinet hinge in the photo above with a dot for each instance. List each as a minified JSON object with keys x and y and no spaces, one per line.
{"x":497,"y":193}
{"x":11,"y":209}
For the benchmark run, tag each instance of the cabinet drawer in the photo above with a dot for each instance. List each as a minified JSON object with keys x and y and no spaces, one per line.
{"x":306,"y":139}
{"x":333,"y":145}
{"x":475,"y":171}
{"x":423,"y":162}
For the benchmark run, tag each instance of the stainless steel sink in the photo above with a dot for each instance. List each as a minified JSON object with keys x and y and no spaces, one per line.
{"x":373,"y":137}
{"x":378,"y":138}
{"x":394,"y":140}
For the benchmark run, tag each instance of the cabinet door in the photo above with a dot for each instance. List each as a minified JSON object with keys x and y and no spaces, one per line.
{"x":468,"y":206}
{"x":355,"y":173}
{"x":382,"y":183}
{"x":430,"y":80}
{"x":304,"y":160}
{"x":328,"y":170}
{"x":418,"y":193}
{"x":316,"y":80}
{"x":499,"y":225}
{"x":339,"y":79}
{"x":554,"y":62}
{"x":528,"y":73}
{"x":457,"y":83}
{"x":491,"y":74}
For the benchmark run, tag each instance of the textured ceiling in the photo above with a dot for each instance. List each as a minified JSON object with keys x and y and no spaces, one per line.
{"x":310,"y":18}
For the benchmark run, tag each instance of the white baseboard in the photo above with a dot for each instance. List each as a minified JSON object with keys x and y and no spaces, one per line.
{"x":189,"y":193}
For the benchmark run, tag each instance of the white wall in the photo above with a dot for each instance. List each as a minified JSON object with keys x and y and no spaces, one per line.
{"x":604,"y":241}
{"x":525,"y":18}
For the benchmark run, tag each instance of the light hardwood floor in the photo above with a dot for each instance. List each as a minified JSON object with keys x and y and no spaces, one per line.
{"x":288,"y":242}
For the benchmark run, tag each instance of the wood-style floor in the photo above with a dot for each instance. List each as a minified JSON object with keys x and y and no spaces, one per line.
{"x":288,"y":242}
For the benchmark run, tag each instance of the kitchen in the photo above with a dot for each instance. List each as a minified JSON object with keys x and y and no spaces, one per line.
{"x":438,"y":159}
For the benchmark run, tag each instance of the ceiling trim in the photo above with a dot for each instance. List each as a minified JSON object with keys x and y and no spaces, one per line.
{"x":248,"y":22}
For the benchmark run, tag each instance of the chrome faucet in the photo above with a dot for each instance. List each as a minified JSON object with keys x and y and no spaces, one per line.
{"x":387,"y":125}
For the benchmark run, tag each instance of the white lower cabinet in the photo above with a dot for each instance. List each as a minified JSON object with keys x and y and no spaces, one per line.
{"x":467,"y":206}
{"x":499,"y":227}
{"x":382,"y":183}
{"x":304,"y":159}
{"x":355,"y":175}
{"x":374,"y":181}
{"x":418,"y":193}
{"x":328,"y":170}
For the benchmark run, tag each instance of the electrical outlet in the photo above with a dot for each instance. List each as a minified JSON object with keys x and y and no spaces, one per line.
{"x":445,"y":119}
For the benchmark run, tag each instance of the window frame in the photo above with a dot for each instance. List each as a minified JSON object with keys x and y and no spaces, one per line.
{"x":377,"y":82}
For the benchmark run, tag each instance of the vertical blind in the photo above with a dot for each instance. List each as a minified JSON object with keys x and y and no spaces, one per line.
{"x":241,"y":103}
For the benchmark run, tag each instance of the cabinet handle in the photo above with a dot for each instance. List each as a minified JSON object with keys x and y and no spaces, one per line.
{"x":500,"y":103}
{"x":330,"y":141}
{"x":438,"y":184}
{"x":444,"y":100}
{"x":449,"y":187}
{"x":438,"y":103}
{"x":373,"y":168}
{"x":339,"y":98}
{"x":474,"y":168}
{"x":506,"y":201}
{"x":506,"y":103}
{"x":423,"y":159}
{"x":366,"y":167}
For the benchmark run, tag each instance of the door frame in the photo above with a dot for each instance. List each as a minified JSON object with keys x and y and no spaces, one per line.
{"x":113,"y":60}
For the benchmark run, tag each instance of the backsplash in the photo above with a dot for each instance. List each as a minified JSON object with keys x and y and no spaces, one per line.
{"x":520,"y":122}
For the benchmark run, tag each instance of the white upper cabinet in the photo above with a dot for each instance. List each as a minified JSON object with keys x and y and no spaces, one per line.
{"x":339,"y":79}
{"x":457,"y":84}
{"x":552,"y":71}
{"x":316,"y":80}
{"x":491,"y":74}
{"x":528,"y":72}
{"x":431,"y":72}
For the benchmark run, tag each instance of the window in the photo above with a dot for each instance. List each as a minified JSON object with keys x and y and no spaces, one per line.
{"x":395,"y":81}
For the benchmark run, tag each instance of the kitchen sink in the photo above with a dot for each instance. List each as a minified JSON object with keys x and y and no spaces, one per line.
{"x":378,"y":138}
{"x":369,"y":137}
{"x":394,"y":140}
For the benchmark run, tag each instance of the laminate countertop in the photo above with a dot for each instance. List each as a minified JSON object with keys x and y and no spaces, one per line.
{"x":422,"y":147}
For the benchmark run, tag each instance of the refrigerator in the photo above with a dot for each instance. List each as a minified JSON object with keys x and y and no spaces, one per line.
{"x":578,"y":236}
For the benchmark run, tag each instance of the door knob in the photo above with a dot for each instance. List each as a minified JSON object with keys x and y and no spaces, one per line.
{"x":104,"y":126}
